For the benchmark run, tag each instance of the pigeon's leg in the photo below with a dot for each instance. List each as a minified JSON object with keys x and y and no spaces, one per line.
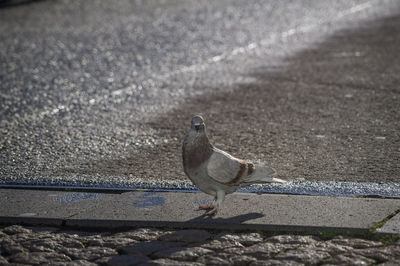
{"x":220,"y":199}
{"x":208,"y":206}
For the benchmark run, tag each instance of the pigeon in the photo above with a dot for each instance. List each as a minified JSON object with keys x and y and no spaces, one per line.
{"x":215,"y":172}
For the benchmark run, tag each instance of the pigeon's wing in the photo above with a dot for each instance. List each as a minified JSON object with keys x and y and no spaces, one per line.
{"x":224,"y":168}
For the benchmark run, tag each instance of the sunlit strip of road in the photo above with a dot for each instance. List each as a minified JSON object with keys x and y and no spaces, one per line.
{"x":205,"y":64}
{"x":309,"y":188}
{"x":251,"y":46}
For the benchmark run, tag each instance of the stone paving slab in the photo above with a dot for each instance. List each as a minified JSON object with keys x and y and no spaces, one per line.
{"x":150,"y":246}
{"x":239,"y":211}
{"x":392,"y":226}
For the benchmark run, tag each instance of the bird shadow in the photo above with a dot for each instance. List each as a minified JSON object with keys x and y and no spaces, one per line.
{"x":239,"y":219}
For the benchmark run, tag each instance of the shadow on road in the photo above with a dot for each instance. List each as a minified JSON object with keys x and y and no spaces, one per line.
{"x":15,"y":3}
{"x":332,"y":114}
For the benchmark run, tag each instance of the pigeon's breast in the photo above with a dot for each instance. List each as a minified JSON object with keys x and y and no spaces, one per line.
{"x":195,"y":159}
{"x":195,"y":155}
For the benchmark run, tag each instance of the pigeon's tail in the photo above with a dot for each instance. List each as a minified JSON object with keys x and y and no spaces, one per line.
{"x":263,"y":175}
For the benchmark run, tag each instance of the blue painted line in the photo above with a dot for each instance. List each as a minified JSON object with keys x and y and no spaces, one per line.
{"x":149,"y":199}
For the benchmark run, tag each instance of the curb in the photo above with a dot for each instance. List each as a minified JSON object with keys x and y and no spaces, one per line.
{"x":240,"y":211}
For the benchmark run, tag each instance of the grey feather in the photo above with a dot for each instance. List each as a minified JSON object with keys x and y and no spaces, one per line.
{"x":222,"y":167}
{"x":263,"y":175}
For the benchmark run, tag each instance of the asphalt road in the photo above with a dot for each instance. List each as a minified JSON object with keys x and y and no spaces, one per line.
{"x":99,"y":93}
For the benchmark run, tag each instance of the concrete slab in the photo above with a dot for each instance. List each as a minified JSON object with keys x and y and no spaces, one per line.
{"x":26,"y":204}
{"x":239,"y":211}
{"x":392,"y":226}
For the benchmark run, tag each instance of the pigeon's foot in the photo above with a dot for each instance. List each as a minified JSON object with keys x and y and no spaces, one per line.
{"x":205,"y":206}
{"x":208,"y":206}
{"x":212,"y":212}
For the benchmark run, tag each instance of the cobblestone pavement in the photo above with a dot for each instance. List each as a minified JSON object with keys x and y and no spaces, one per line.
{"x":149,"y":246}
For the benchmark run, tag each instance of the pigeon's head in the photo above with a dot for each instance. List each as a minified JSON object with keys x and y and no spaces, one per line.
{"x":198,"y":123}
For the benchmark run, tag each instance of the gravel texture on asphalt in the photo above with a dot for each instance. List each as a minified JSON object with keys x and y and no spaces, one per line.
{"x":150,"y":246}
{"x":332,"y":114}
{"x":99,"y":92}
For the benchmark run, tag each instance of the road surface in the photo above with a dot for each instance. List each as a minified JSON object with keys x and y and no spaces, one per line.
{"x":98,"y":93}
